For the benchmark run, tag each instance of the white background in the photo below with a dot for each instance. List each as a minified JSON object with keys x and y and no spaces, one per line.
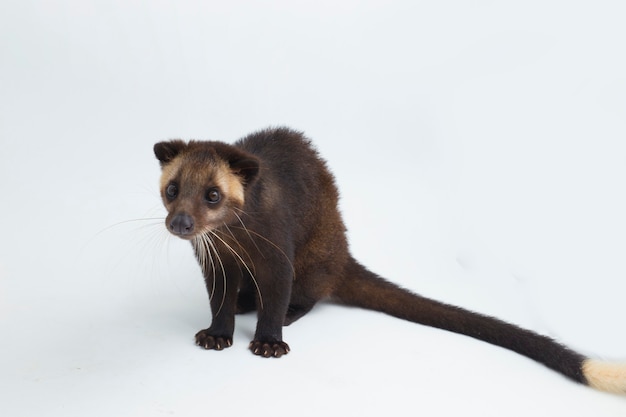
{"x":479,"y":147}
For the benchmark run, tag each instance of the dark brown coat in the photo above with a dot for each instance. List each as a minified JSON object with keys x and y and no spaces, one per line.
{"x":262,"y":216}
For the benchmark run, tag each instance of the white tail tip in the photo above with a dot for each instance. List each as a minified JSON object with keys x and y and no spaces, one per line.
{"x":605,"y":376}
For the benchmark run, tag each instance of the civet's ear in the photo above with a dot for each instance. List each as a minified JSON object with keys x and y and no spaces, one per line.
{"x":241,"y":162}
{"x":246,"y":167}
{"x":168,"y":150}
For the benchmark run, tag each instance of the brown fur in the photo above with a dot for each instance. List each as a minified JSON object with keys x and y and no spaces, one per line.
{"x":275,"y":242}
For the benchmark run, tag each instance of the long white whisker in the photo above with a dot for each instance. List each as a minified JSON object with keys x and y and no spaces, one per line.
{"x":256,"y":284}
{"x":156,"y":238}
{"x":293,"y":269}
{"x":128,"y":221}
{"x":245,"y":252}
{"x":219,"y":259}
{"x":200,"y":253}
{"x":247,"y":231}
{"x":106,"y":229}
{"x":205,"y":257}
{"x":210,"y":255}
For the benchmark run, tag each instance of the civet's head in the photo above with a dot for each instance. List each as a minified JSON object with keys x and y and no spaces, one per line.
{"x":203,"y":184}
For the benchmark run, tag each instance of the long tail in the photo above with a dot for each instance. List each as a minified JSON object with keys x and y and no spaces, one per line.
{"x":362,"y":288}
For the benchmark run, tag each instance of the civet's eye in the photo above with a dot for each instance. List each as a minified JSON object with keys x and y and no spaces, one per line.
{"x":212,"y":195}
{"x":171,"y":192}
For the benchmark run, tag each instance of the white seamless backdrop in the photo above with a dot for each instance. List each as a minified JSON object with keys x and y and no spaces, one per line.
{"x":478,"y":146}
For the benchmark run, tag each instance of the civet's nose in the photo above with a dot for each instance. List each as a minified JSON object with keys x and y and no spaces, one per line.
{"x":182,"y":225}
